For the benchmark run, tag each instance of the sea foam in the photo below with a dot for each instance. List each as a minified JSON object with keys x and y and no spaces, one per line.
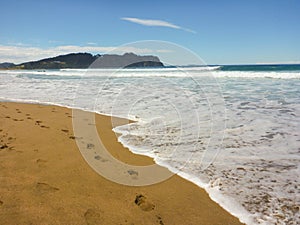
{"x":234,"y":133}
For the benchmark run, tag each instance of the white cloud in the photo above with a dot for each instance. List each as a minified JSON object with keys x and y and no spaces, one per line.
{"x":20,"y":54}
{"x":157,"y":23}
{"x":91,"y":43}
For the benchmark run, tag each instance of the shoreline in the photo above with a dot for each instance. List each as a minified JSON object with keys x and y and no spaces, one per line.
{"x":226,"y":202}
{"x":50,"y":179}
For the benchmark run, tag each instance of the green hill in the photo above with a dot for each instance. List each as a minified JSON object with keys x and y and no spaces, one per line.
{"x":86,"y":60}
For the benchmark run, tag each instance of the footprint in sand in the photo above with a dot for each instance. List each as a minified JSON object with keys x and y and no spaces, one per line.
{"x":1,"y":203}
{"x":45,"y":188}
{"x":11,"y":139}
{"x":133,"y":174}
{"x":98,"y":157}
{"x":93,"y":217}
{"x":65,"y":130}
{"x":70,"y":116}
{"x":159,"y":220}
{"x":41,"y":162}
{"x":38,"y":122}
{"x":90,"y":146}
{"x":3,"y":146}
{"x":143,"y":203}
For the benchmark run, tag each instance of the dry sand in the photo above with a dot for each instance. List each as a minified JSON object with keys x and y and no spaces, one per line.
{"x":45,"y":180}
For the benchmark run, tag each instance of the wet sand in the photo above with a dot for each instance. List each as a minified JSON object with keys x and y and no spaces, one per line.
{"x":45,"y":180}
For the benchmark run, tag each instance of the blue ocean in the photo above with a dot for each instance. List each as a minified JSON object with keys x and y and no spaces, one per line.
{"x":233,"y":130}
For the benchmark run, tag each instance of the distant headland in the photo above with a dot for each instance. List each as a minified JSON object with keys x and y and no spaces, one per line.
{"x":87,"y":60}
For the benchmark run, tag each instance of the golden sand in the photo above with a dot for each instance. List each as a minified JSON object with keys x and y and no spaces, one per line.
{"x":45,"y":180}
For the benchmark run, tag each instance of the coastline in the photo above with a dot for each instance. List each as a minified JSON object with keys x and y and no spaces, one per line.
{"x":44,"y":179}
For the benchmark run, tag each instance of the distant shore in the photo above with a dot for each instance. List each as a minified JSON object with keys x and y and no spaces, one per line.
{"x":45,"y":180}
{"x":87,"y":60}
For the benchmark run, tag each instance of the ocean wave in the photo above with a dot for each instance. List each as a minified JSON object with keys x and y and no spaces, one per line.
{"x":260,"y":74}
{"x":155,"y":72}
{"x":257,"y":166}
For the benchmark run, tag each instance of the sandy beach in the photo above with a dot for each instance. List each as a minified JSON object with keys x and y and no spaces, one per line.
{"x":45,"y":180}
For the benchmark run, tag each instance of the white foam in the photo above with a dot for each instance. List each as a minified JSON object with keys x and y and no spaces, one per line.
{"x":226,"y":202}
{"x":250,"y":74}
{"x":202,"y":71}
{"x":258,"y":166}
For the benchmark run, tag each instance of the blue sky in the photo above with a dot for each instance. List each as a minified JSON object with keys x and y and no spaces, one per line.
{"x":220,"y":32}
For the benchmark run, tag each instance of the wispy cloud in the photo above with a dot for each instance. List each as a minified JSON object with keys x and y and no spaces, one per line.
{"x":157,"y":23}
{"x":91,"y":43}
{"x":19,"y":54}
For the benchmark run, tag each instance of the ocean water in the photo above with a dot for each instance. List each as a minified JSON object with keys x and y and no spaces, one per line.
{"x":233,"y":130}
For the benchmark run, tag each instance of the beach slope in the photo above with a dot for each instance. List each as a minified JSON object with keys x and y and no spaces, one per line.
{"x":45,"y":180}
